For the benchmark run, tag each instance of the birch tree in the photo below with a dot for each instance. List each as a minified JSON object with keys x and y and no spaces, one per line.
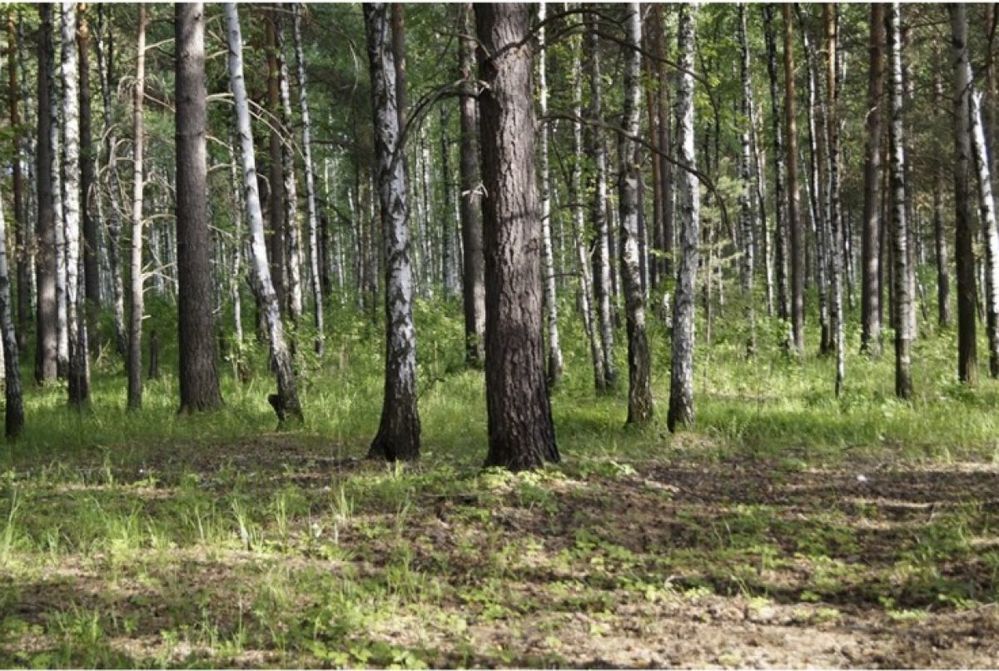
{"x":555,"y":363}
{"x":900,"y":236}
{"x":681,"y":396}
{"x":747,"y":225}
{"x":797,"y":247}
{"x":398,"y":435}
{"x":13,"y":402}
{"x":780,"y":224}
{"x":990,"y":234}
{"x":136,"y":306}
{"x":78,"y":372}
{"x":310,"y":178}
{"x":285,"y":401}
{"x":639,"y":357}
{"x":46,"y":329}
{"x":835,"y":216}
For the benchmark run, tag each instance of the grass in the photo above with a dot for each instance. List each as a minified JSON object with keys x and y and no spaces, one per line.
{"x":148,"y":539}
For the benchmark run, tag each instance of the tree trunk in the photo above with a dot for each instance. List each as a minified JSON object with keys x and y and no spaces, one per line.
{"x":940,"y":240}
{"x":199,"y":380}
{"x":317,"y":271}
{"x":277,"y":250}
{"x":780,"y":226}
{"x":59,"y":197}
{"x":79,"y":382}
{"x":105,"y":69}
{"x":13,"y":403}
{"x":639,"y":358}
{"x":399,"y":430}
{"x":91,"y":240}
{"x":835,"y":215}
{"x":797,"y":250}
{"x":602,"y":281}
{"x":21,"y":233}
{"x":136,"y":307}
{"x":473,"y":289}
{"x":47,"y":338}
{"x":285,"y":402}
{"x":747,"y":268}
{"x":547,"y":257}
{"x":578,"y":220}
{"x":291,"y":228}
{"x":521,"y":432}
{"x":900,"y":236}
{"x":967,"y":359}
{"x":870,"y":338}
{"x":681,"y":397}
{"x":989,"y":232}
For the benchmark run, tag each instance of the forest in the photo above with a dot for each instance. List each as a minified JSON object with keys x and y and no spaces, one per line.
{"x":499,"y":335}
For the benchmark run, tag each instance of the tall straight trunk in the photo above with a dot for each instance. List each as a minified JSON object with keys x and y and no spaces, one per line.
{"x":639,"y":358}
{"x":285,"y":402}
{"x":521,"y":431}
{"x":652,"y":36}
{"x":579,"y":221}
{"x":473,"y":269}
{"x":817,"y":191}
{"x":91,"y":260}
{"x":316,"y":272}
{"x":13,"y":403}
{"x":780,"y":206}
{"x":58,"y":189}
{"x":602,"y":280}
{"x":667,"y":263}
{"x":900,"y":235}
{"x":760,"y":187}
{"x":79,"y":375}
{"x":747,"y":268}
{"x":835,"y":215}
{"x":46,"y":329}
{"x":990,"y":234}
{"x":870,"y":299}
{"x":136,"y":306}
{"x":21,"y":234}
{"x":276,"y":211}
{"x":292,"y":234}
{"x":399,"y":430}
{"x":939,"y":238}
{"x":198,"y":373}
{"x":105,"y":69}
{"x":547,"y":255}
{"x":967,"y":357}
{"x":449,"y":258}
{"x":681,"y":396}
{"x":797,"y":251}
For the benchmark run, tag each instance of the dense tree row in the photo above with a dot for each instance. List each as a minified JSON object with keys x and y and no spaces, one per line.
{"x":642,"y":159}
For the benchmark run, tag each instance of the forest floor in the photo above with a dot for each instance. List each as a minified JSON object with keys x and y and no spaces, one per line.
{"x":790,"y":529}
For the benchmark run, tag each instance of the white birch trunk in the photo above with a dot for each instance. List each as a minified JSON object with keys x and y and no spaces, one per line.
{"x":285,"y":402}
{"x":989,"y":230}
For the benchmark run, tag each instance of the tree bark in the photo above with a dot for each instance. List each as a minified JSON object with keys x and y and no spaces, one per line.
{"x":277,"y":249}
{"x":79,"y":374}
{"x":47,"y":344}
{"x":136,"y":307}
{"x":900,"y":236}
{"x":602,"y":273}
{"x":199,"y":380}
{"x":398,"y":435}
{"x":681,"y":397}
{"x":21,"y":232}
{"x":316,"y":271}
{"x":521,"y":431}
{"x":870,"y":300}
{"x":835,"y":215}
{"x":555,"y":362}
{"x":967,"y":357}
{"x":13,"y":403}
{"x":747,"y":268}
{"x":91,"y":241}
{"x":285,"y":401}
{"x":640,"y":405}
{"x":473,"y":270}
{"x":797,"y":255}
{"x":780,"y":224}
{"x":989,"y":231}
